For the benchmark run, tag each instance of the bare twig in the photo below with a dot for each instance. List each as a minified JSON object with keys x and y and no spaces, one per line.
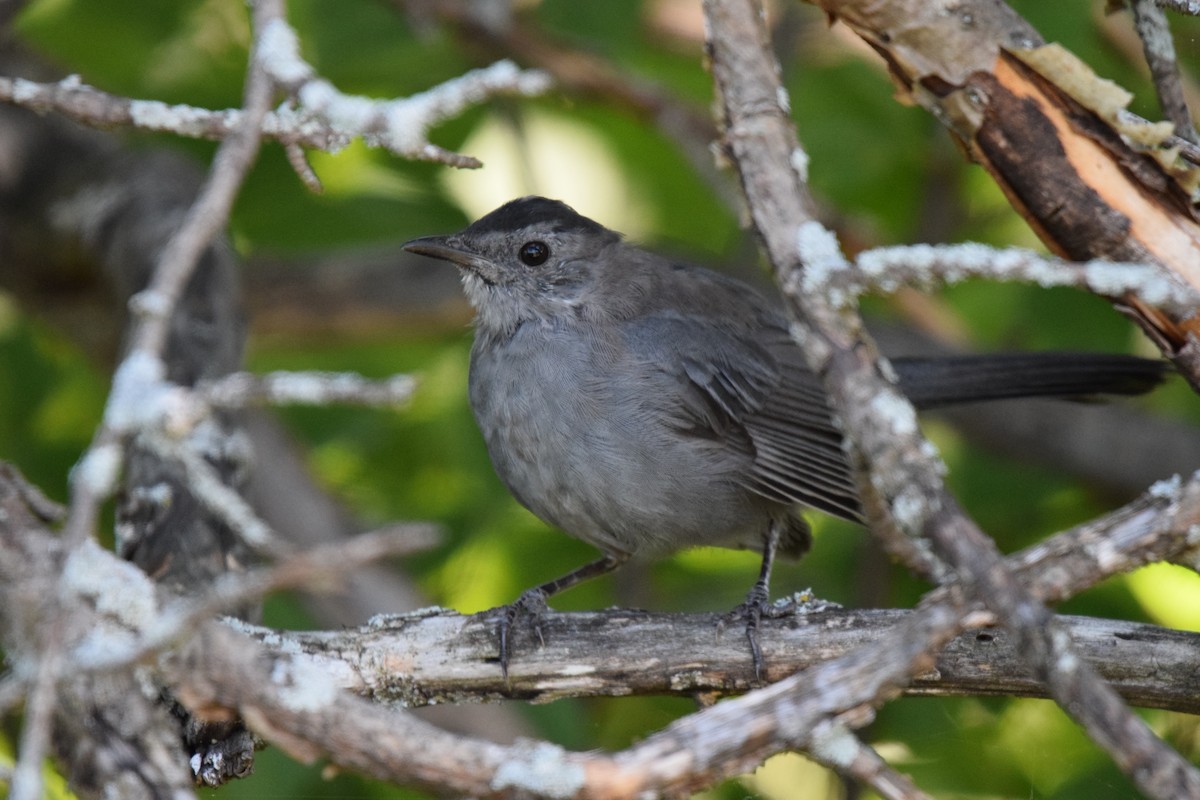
{"x":312,"y":569}
{"x":1190,"y":7}
{"x":835,"y":746}
{"x":1159,"y":47}
{"x":242,"y":389}
{"x":922,"y":266}
{"x":183,"y":430}
{"x":298,"y":160}
{"x":39,"y":717}
{"x":326,"y":120}
{"x":1188,"y":150}
{"x":46,"y":509}
{"x":141,"y":375}
{"x":220,"y":499}
{"x":400,"y":126}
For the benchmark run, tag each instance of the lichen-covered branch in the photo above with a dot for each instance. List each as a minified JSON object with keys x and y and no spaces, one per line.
{"x":903,"y":483}
{"x":325,"y":119}
{"x":887,"y":269}
{"x":289,"y":687}
{"x":406,"y":658}
{"x":1191,"y":7}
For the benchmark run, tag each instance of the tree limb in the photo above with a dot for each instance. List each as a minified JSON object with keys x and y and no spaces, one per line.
{"x":440,"y":656}
{"x":1056,"y":139}
{"x":904,"y":483}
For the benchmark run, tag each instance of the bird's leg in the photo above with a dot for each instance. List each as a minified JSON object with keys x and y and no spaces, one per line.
{"x":755,"y":605}
{"x":532,"y":602}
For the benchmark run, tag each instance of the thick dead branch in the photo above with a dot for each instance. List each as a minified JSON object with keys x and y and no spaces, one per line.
{"x":1056,"y":139}
{"x":444,"y":657}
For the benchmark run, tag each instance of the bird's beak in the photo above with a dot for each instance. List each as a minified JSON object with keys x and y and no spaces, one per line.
{"x":451,"y":248}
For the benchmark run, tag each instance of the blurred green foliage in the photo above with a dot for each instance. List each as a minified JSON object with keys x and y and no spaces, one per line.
{"x":874,"y":163}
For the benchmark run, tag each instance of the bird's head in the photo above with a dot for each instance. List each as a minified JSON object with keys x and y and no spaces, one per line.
{"x":532,"y":259}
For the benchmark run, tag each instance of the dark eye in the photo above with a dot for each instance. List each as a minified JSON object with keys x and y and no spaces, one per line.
{"x":534,"y":253}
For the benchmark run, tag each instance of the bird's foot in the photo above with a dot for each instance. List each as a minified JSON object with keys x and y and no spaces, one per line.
{"x":525,"y":610}
{"x":750,"y":613}
{"x":757,"y":607}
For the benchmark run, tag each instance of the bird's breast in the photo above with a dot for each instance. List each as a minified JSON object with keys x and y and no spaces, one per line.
{"x":578,"y":441}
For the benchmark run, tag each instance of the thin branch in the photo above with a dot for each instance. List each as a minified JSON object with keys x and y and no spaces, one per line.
{"x":1188,"y":150}
{"x":922,"y":266}
{"x":400,"y":126}
{"x":242,"y":389}
{"x":1189,"y":7}
{"x":1159,"y":47}
{"x":328,"y":120}
{"x":312,"y":569}
{"x":40,"y":703}
{"x":141,"y":375}
{"x":298,"y":159}
{"x":210,"y":213}
{"x":178,"y":427}
{"x":221,"y":500}
{"x":840,"y":750}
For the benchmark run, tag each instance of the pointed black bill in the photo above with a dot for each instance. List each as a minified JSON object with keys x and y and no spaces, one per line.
{"x":446,"y":248}
{"x":451,"y":248}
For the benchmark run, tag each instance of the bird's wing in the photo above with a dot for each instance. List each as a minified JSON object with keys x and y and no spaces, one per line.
{"x":747,"y":388}
{"x":799,"y":451}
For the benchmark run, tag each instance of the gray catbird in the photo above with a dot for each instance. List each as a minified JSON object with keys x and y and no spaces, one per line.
{"x":645,"y":406}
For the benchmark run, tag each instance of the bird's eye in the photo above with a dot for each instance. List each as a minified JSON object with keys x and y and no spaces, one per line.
{"x":534,"y":253}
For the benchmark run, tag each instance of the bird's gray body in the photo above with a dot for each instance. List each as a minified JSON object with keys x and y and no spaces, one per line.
{"x":646,"y":406}
{"x":629,"y":434}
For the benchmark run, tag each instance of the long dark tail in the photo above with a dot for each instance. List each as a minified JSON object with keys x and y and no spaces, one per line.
{"x":947,"y":380}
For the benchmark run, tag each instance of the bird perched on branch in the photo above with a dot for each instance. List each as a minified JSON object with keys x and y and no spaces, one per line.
{"x":646,"y":406}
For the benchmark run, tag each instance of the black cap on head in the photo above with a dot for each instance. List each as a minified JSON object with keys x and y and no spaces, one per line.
{"x":553,"y":215}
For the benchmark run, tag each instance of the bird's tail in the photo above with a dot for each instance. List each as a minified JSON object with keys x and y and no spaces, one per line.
{"x":949,"y":380}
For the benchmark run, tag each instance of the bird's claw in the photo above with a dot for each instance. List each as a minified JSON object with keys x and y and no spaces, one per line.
{"x":751,"y":612}
{"x":529,"y":607}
